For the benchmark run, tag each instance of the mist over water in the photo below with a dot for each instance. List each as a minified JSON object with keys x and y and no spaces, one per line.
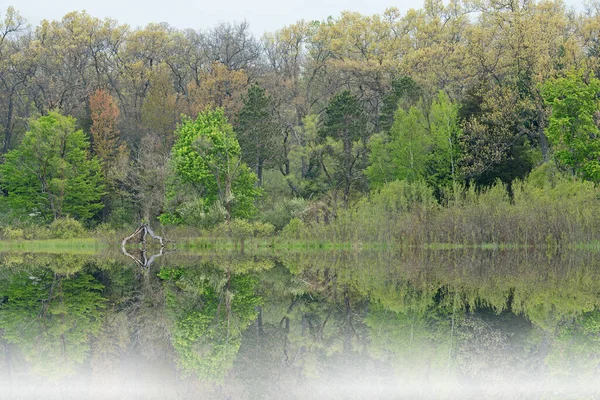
{"x":355,"y":325}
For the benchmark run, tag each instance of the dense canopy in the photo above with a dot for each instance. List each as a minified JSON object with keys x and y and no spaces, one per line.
{"x":456,"y":95}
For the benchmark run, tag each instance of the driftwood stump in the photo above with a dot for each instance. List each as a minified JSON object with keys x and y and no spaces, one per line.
{"x":143,"y":231}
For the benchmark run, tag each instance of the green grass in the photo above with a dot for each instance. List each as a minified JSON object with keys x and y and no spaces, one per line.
{"x":274,"y":243}
{"x":92,"y":246}
{"x":481,"y":246}
{"x":88,"y":246}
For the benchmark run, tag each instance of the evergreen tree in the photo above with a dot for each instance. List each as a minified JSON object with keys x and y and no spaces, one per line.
{"x":345,"y":134}
{"x":258,"y":131}
{"x":404,"y":90}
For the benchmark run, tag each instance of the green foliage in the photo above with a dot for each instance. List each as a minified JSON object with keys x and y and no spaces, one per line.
{"x":294,"y":229}
{"x":502,"y":126}
{"x":258,"y":131}
{"x":402,"y":154}
{"x":66,"y":228}
{"x":209,"y":314}
{"x":344,"y":134}
{"x":420,"y":146}
{"x":572,"y":126}
{"x":404,"y":93}
{"x":283,"y":211}
{"x":50,"y":317}
{"x":262,"y":229}
{"x":195,"y":213}
{"x":241,"y":229}
{"x":206,"y":164}
{"x":13,"y":233}
{"x":400,"y":197}
{"x":51,"y":173}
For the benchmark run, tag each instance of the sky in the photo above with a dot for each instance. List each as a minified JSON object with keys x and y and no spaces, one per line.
{"x":263,"y":15}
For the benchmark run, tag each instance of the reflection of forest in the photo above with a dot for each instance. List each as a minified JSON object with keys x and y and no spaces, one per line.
{"x":314,"y":325}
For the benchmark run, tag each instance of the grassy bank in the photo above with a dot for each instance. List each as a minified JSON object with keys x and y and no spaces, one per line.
{"x":73,"y":246}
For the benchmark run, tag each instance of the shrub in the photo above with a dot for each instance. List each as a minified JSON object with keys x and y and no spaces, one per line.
{"x":280,"y":213}
{"x":13,"y":233}
{"x":295,"y":229}
{"x":66,"y":228}
{"x":195,"y":213}
{"x":262,"y":229}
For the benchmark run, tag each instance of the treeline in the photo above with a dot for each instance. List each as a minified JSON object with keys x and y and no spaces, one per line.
{"x":301,"y":123}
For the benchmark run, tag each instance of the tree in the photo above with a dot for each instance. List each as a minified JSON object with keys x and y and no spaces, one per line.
{"x":258,"y":131}
{"x":51,"y":174}
{"x":403,"y":89}
{"x":421,"y":146}
{"x":345,"y":133}
{"x":16,"y":69}
{"x":401,"y":154}
{"x":496,"y":139}
{"x":219,"y":87}
{"x":441,"y":164}
{"x":106,"y":143}
{"x":573,"y":126}
{"x":207,"y":165}
{"x":160,"y":108}
{"x":148,"y":178}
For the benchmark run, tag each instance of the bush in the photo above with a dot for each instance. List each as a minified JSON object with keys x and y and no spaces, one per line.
{"x":13,"y":233}
{"x":280,"y":213}
{"x":66,"y":228}
{"x":195,"y":213}
{"x":262,"y":229}
{"x":295,"y":229}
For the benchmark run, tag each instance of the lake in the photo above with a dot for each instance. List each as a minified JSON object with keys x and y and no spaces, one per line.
{"x":318,"y":324}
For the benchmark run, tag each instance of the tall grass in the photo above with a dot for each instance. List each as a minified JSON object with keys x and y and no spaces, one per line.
{"x":548,"y":209}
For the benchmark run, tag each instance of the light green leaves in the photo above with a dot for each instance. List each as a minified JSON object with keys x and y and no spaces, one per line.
{"x":572,"y":128}
{"x":51,"y":174}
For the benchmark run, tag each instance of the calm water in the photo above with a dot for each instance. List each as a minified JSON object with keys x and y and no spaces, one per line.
{"x":372,"y":325}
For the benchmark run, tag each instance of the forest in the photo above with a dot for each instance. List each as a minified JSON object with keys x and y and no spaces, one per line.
{"x":465,"y":122}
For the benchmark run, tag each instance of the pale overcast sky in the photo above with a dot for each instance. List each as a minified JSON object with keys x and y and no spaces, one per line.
{"x":263,"y":15}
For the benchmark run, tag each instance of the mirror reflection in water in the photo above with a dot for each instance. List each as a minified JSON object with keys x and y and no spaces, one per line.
{"x":322,"y":324}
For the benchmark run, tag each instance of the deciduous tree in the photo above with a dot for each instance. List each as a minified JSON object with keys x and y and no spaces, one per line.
{"x":573,"y":126}
{"x":207,"y":165}
{"x":51,"y":174}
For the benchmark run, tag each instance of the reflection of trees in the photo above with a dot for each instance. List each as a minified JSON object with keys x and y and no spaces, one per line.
{"x":63,"y":264}
{"x":413,"y":343}
{"x":286,"y":327}
{"x":136,"y":319}
{"x":210,"y":309}
{"x":51,"y":318}
{"x":472,"y":316}
{"x":575,"y":351}
{"x":310,"y":329}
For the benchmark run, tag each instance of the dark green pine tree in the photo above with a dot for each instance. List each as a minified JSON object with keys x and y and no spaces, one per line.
{"x":258,"y":132}
{"x":345,"y":135}
{"x":404,"y":89}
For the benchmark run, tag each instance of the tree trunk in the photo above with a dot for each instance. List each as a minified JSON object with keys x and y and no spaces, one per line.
{"x":259,"y":171}
{"x":8,"y":124}
{"x":259,"y":322}
{"x":544,"y":146}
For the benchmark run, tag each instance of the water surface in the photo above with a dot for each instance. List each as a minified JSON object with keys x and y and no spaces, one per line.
{"x":361,"y":324}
